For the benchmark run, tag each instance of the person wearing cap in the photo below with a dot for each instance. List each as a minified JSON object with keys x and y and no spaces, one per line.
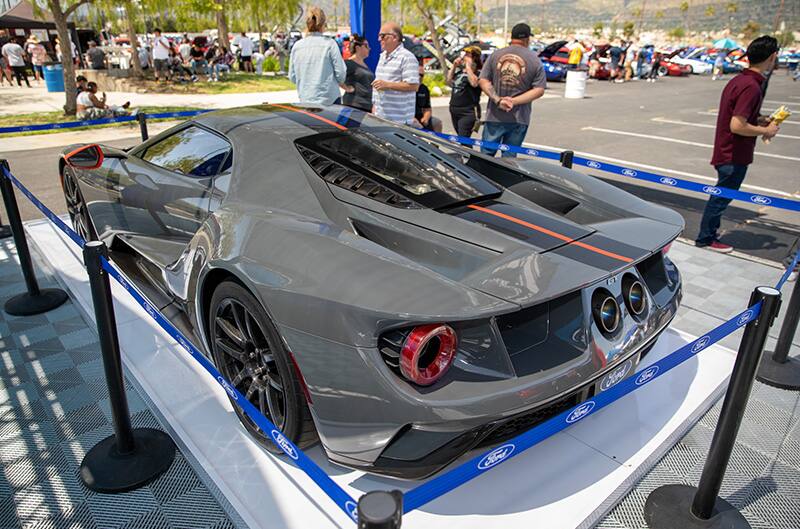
{"x":513,"y":77}
{"x":38,"y":54}
{"x":739,"y":123}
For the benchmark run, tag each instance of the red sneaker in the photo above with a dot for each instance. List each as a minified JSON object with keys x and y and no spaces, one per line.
{"x":719,"y":247}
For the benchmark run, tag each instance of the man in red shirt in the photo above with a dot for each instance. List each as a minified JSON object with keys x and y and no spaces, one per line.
{"x":739,"y":123}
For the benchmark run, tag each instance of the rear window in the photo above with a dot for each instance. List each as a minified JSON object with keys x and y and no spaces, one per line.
{"x":425,"y":170}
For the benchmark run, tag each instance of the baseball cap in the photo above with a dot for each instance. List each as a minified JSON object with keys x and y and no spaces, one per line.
{"x":521,"y":31}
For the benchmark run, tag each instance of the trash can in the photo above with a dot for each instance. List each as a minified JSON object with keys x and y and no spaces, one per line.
{"x":54,"y":77}
{"x":576,"y":85}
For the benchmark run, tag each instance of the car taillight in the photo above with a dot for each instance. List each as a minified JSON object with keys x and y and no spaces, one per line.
{"x":427,"y":353}
{"x":665,"y":249}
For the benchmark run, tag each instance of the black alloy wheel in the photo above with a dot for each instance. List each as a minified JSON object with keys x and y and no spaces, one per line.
{"x":250,"y":354}
{"x":76,"y":207}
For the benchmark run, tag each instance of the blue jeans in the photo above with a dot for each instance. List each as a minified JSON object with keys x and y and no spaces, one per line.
{"x":508,"y":133}
{"x":729,"y":176}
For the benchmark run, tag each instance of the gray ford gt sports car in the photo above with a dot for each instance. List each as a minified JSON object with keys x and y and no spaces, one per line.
{"x":397,"y":297}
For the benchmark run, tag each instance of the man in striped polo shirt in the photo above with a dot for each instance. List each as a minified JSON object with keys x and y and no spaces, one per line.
{"x":396,"y":78}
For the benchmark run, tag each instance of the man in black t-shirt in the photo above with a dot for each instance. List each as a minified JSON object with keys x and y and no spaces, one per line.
{"x":423,"y":112}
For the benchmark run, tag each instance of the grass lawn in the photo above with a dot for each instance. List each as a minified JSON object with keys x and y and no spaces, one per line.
{"x":232,"y":83}
{"x":37,"y":118}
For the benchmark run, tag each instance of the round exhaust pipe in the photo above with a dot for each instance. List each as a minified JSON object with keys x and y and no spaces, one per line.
{"x":634,"y":294}
{"x":605,"y":310}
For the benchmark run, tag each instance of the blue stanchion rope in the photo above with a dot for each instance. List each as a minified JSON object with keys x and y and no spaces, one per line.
{"x":785,"y":277}
{"x":93,"y":122}
{"x":446,"y":482}
{"x":44,"y":209}
{"x":761,"y":200}
{"x":323,"y":481}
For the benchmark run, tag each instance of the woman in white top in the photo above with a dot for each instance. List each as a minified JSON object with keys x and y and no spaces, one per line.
{"x":92,"y":107}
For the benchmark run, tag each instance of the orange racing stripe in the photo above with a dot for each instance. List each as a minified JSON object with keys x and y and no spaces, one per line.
{"x":315,"y":116}
{"x":552,"y":233}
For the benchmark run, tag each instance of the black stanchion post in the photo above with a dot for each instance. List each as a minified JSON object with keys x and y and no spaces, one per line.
{"x":777,"y":369}
{"x":141,"y":117}
{"x":380,"y":509}
{"x":130,"y":458}
{"x":688,"y":507}
{"x":566,"y":159}
{"x":36,"y":300}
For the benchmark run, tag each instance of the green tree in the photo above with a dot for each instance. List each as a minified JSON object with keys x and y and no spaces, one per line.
{"x":677,"y":32}
{"x":276,"y":12}
{"x":130,"y":12}
{"x":61,"y":10}
{"x":628,"y":29}
{"x":429,"y":10}
{"x":659,"y":14}
{"x":751,"y":29}
{"x":684,"y":7}
{"x":710,"y":11}
{"x":598,"y":30}
{"x":785,"y":39}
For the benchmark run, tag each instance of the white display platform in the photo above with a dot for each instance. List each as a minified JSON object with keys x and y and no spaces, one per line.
{"x":570,"y":480}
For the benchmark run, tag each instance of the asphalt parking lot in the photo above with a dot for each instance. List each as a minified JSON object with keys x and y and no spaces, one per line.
{"x":665,"y":128}
{"x":668,"y":128}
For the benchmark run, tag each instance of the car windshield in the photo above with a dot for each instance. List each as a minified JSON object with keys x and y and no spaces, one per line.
{"x":428,"y":171}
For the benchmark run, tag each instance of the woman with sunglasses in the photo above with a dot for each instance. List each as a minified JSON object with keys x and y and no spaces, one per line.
{"x":358,"y":82}
{"x":465,"y":101}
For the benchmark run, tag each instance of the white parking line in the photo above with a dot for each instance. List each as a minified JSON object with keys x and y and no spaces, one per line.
{"x":707,"y":126}
{"x":765,"y":112}
{"x":683,"y":142}
{"x":794,"y":103}
{"x":654,"y":168}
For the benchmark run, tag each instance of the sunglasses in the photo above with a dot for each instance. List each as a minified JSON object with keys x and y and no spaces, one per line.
{"x":382,"y":36}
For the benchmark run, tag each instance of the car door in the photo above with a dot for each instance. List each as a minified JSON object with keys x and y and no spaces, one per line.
{"x":165,"y":195}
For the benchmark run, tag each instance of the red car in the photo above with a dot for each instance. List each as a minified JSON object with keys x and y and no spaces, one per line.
{"x":667,"y":67}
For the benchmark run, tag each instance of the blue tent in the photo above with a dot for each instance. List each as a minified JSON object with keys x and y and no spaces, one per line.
{"x":365,"y":20}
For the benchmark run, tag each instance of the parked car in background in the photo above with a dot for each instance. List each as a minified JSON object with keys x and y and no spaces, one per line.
{"x":693,"y":59}
{"x":554,"y":60}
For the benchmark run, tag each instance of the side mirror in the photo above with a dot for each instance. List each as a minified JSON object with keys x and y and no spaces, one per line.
{"x":86,"y":157}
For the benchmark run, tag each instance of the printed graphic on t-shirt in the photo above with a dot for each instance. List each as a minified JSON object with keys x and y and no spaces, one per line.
{"x":512,"y":69}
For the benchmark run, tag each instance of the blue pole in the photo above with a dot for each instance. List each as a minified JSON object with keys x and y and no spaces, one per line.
{"x":365,"y":19}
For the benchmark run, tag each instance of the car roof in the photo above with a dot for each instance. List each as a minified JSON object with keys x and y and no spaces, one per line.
{"x":295,"y":120}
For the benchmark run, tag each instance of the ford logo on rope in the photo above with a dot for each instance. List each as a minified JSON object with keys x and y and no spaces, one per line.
{"x":615,"y":376}
{"x":284,"y":444}
{"x":711,"y":190}
{"x":454,"y":139}
{"x":668,"y":181}
{"x":504,"y":147}
{"x":227,"y":387}
{"x":496,"y":456}
{"x":581,"y":411}
{"x":701,"y":344}
{"x":352,"y":510}
{"x":629,"y":172}
{"x":646,"y":375}
{"x":532,"y":152}
{"x":745,"y":318}
{"x":477,"y":143}
{"x":592,"y":163}
{"x":760,"y":199}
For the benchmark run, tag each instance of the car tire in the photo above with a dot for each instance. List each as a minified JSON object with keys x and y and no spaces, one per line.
{"x":689,"y":69}
{"x":662,"y":71}
{"x":76,"y":206}
{"x":249,"y":352}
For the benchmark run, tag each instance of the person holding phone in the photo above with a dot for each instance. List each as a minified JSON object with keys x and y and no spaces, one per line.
{"x":465,"y":100}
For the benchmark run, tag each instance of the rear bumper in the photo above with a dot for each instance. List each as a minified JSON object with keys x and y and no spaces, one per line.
{"x":416,"y":452}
